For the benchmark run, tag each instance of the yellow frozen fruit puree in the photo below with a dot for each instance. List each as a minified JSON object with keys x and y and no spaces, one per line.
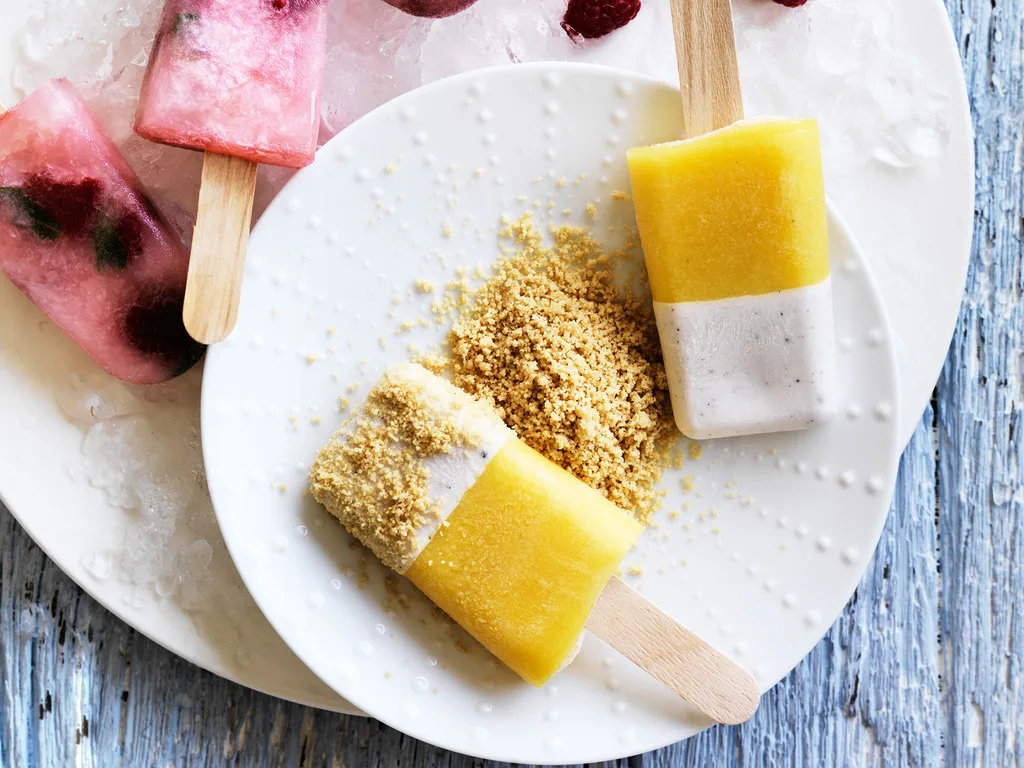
{"x":524,"y":557}
{"x":736,"y":212}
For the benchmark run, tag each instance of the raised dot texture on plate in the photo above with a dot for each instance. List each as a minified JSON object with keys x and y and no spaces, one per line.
{"x":361,"y":308}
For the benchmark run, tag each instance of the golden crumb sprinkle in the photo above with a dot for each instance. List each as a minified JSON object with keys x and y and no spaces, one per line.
{"x":373,"y":474}
{"x":635,"y":570}
{"x":424,"y":286}
{"x":620,"y":195}
{"x":571,"y":362}
{"x":696,"y":451}
{"x":591,"y":210}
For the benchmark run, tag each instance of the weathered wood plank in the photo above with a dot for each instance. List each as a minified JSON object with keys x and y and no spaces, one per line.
{"x":867,"y":694}
{"x":980,"y":474}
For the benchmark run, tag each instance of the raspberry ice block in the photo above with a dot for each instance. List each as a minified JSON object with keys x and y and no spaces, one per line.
{"x":237,"y":77}
{"x":508,"y":544}
{"x":734,"y":232}
{"x":81,"y":239}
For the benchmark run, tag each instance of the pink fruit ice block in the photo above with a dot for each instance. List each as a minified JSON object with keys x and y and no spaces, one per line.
{"x":81,"y":239}
{"x":237,"y":77}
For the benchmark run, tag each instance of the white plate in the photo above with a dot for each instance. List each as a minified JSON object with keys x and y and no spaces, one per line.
{"x":919,"y":253}
{"x":780,"y":527}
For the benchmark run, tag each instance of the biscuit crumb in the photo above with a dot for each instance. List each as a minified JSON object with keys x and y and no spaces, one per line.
{"x":424,"y":286}
{"x":696,"y":451}
{"x":620,"y":195}
{"x":571,"y":362}
{"x":373,"y":474}
{"x":591,"y":210}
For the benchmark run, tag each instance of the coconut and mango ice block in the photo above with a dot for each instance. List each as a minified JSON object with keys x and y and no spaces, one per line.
{"x":735,"y":236}
{"x":81,"y":239}
{"x":508,"y":544}
{"x":237,"y":77}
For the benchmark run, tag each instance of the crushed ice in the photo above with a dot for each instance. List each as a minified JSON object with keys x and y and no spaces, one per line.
{"x":141,"y":448}
{"x":840,"y":61}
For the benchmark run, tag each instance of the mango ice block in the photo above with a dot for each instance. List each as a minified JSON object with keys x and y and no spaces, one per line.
{"x":237,"y":77}
{"x":735,"y":235}
{"x":80,"y":237}
{"x":511,"y":546}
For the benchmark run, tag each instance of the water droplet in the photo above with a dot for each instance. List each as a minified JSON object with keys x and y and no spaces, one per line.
{"x":420,"y":684}
{"x":365,"y":649}
{"x":484,"y":707}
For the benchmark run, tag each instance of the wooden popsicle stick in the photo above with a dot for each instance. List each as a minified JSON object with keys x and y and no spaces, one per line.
{"x":673,"y":655}
{"x":709,"y":76}
{"x":219,"y":242}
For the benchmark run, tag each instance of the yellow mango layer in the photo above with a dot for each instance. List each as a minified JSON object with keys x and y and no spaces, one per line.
{"x":736,"y":212}
{"x":523,"y":558}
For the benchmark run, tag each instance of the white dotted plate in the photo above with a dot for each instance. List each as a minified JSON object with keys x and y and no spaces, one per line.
{"x":765,"y":549}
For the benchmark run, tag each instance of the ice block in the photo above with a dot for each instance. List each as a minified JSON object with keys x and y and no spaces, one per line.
{"x":81,"y":239}
{"x":508,"y":544}
{"x":735,"y":237}
{"x":237,"y":77}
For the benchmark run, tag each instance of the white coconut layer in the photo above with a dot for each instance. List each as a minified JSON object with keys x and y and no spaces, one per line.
{"x":750,"y":364}
{"x":451,"y":474}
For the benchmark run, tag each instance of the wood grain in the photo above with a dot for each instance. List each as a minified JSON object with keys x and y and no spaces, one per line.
{"x":219,"y":243}
{"x":709,"y":77}
{"x":673,"y":655}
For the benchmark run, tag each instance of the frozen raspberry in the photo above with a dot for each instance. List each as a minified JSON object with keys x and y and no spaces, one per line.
{"x":790,"y":3}
{"x":71,"y":203}
{"x":154,"y":327}
{"x":596,"y":18}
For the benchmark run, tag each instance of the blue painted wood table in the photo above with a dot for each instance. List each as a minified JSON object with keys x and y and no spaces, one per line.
{"x":923,"y":668}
